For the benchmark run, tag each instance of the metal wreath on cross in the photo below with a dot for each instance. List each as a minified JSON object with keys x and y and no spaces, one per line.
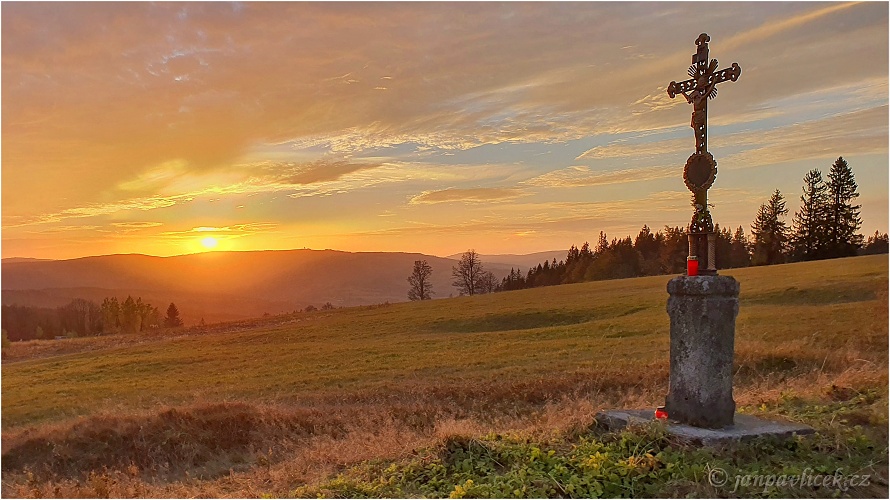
{"x":700,"y":171}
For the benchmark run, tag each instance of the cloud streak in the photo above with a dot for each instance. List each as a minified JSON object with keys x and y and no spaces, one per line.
{"x":324,"y":171}
{"x":583,"y":176}
{"x":475,"y":195}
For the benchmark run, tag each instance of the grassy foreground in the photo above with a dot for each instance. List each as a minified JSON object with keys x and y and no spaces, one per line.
{"x":473,"y":396}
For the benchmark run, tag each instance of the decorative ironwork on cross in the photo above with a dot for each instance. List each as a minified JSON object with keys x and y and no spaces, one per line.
{"x":701,"y":168}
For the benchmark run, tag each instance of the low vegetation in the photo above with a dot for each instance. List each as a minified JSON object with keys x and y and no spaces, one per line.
{"x":491,"y":395}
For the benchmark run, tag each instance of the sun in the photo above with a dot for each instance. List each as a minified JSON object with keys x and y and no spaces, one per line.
{"x":209,"y":242}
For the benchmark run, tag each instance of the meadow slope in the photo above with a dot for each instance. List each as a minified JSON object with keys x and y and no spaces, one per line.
{"x":274,"y":406}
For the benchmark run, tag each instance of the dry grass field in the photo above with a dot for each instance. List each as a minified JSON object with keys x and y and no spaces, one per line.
{"x":327,"y":403}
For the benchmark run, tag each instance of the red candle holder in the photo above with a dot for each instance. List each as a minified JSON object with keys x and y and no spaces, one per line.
{"x":691,"y":266}
{"x":660,"y":414}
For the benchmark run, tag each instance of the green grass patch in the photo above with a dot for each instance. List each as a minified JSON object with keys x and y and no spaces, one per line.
{"x":848,"y":460}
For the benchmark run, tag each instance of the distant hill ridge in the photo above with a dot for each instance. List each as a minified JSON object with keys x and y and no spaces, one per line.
{"x":219,"y":286}
{"x":522,"y":262}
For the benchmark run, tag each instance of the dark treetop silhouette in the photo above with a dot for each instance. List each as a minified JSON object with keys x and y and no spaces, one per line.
{"x":701,"y":168}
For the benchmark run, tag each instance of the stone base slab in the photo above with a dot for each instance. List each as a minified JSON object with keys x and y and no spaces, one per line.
{"x":745,"y":427}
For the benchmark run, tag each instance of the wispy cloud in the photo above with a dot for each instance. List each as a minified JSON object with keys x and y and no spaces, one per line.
{"x":148,"y":203}
{"x":578,"y":176}
{"x":322,"y":171}
{"x":635,"y":150}
{"x":155,"y":177}
{"x":234,"y":230}
{"x":65,"y":229}
{"x":773,"y":28}
{"x":860,"y":132}
{"x":542,"y":217}
{"x":474,"y":195}
{"x":136,"y":224}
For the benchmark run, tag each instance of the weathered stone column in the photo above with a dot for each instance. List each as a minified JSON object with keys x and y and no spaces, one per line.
{"x":703,"y":310}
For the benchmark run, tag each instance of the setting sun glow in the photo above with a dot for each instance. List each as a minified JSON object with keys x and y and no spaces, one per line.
{"x":209,"y":242}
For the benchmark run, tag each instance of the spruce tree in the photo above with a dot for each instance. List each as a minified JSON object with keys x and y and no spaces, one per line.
{"x":722,"y":246}
{"x":647,"y":245}
{"x":129,"y":315}
{"x":172,"y":320}
{"x":759,"y":236}
{"x":843,"y":215}
{"x":810,"y":222}
{"x":770,"y":234}
{"x":602,"y":244}
{"x":739,"y":256}
{"x":674,"y":250}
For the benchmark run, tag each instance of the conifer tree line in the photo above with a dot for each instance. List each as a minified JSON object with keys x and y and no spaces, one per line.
{"x":825,"y":226}
{"x":85,"y":318}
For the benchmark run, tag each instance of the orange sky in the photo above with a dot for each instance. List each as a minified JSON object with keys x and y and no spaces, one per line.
{"x":508,"y":128}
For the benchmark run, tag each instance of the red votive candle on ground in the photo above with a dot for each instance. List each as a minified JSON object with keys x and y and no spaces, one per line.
{"x":660,"y":414}
{"x":691,"y":266}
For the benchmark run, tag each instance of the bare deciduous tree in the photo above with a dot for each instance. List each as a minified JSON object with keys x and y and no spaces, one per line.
{"x":487,"y":282}
{"x":421,"y":287}
{"x":468,"y":274}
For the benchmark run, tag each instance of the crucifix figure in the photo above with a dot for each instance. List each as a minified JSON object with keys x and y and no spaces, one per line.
{"x":701,"y":168}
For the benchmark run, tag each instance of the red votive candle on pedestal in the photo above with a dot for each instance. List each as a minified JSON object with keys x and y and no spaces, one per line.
{"x":691,"y":266}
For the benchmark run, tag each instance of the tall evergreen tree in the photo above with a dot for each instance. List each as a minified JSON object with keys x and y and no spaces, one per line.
{"x":111,"y":310}
{"x":739,"y":254}
{"x":843,"y":215}
{"x":759,"y":236}
{"x":722,"y":246}
{"x":602,"y":244}
{"x":172,"y":320}
{"x":576,"y":270}
{"x":769,"y":231}
{"x":647,"y":245}
{"x":129,"y":316}
{"x":672,"y":255}
{"x":809,"y":225}
{"x":513,"y":281}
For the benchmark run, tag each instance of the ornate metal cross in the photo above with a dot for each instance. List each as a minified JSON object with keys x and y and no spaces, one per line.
{"x":702,"y":86}
{"x":701,"y":168}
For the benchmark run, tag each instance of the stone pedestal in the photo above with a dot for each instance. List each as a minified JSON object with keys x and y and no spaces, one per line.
{"x":745,"y":427}
{"x":703,"y":310}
